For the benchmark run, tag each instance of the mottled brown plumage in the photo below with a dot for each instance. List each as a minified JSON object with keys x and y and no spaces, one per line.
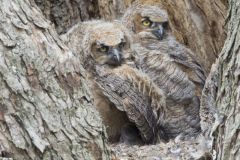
{"x":133,"y":92}
{"x":118,"y":88}
{"x":170,"y":65}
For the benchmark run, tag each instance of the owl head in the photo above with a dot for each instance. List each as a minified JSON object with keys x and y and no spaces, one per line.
{"x":107,"y":43}
{"x":148,"y":21}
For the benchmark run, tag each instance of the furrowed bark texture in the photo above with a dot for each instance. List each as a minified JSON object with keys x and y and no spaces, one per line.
{"x":221,"y":95}
{"x":46,"y":109}
{"x":65,"y":13}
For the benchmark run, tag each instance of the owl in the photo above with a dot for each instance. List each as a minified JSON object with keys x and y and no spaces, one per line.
{"x":122,"y":94}
{"x":170,"y":65}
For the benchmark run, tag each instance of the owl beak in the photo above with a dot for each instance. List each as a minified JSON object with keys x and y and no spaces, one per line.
{"x":159,"y":33}
{"x":115,"y":56}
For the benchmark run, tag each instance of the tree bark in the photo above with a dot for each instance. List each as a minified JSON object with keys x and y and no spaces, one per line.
{"x":65,"y":13}
{"x":46,"y":109}
{"x":221,"y":95}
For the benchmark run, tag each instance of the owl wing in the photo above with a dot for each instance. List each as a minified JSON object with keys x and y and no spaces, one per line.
{"x":177,"y":83}
{"x":185,"y":58}
{"x":166,"y":75}
{"x":132,"y":92}
{"x":182,"y":103}
{"x":182,"y":56}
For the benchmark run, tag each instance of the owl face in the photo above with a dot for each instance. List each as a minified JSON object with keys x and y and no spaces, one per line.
{"x":152,"y":22}
{"x":109,"y":44}
{"x":109,"y":53}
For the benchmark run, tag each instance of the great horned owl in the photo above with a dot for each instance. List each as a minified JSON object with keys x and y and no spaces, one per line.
{"x":170,"y":65}
{"x":121,"y":92}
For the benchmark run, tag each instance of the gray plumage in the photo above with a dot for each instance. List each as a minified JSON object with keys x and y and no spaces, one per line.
{"x":170,"y":65}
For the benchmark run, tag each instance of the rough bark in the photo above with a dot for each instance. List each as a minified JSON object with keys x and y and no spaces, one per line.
{"x":65,"y":13}
{"x":221,"y":95}
{"x":46,"y":109}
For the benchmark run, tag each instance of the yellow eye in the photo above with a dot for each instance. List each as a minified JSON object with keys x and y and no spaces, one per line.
{"x":103,"y":49}
{"x":146,"y":23}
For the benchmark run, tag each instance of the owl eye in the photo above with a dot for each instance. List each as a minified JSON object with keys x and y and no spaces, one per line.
{"x":146,"y":22}
{"x":103,"y":49}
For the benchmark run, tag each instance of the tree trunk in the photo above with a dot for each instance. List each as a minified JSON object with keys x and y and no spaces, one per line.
{"x":65,"y":13}
{"x":221,"y":95}
{"x":46,"y":110}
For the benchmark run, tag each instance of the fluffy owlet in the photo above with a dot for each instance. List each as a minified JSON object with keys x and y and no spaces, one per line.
{"x":122,"y":94}
{"x":170,"y":65}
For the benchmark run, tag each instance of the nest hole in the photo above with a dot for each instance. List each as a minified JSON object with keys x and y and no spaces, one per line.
{"x":121,"y":130}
